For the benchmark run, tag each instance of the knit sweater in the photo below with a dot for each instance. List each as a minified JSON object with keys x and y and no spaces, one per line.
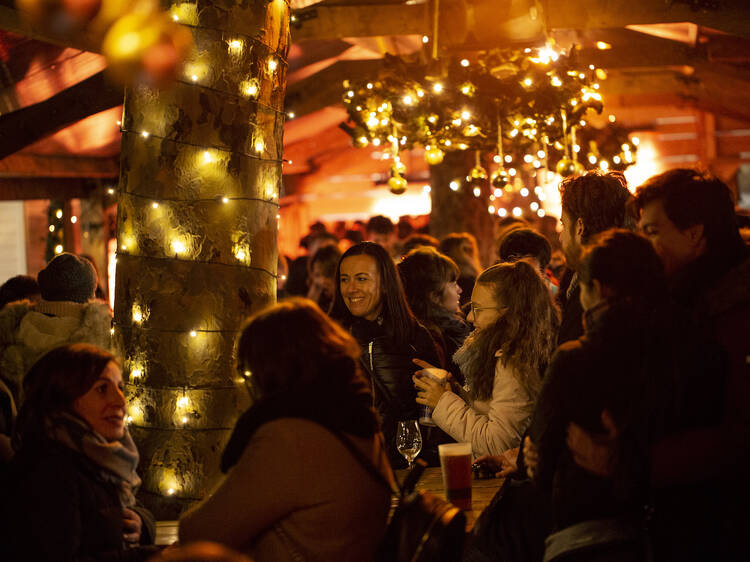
{"x":491,"y":426}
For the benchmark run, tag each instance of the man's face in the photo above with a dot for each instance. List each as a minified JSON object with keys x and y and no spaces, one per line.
{"x":675,"y":247}
{"x":570,"y":240}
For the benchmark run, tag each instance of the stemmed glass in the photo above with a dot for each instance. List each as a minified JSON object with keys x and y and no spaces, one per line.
{"x":409,"y":440}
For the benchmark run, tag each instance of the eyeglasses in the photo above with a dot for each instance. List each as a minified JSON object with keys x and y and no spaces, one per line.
{"x":475,"y":310}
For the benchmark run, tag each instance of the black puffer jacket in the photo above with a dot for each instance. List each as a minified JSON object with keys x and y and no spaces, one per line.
{"x":54,"y":506}
{"x":388,"y":364}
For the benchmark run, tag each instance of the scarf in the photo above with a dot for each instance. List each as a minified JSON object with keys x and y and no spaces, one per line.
{"x":116,"y":460}
{"x":338,"y":408}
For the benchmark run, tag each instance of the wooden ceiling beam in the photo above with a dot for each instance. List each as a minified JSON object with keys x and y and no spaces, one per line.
{"x":45,"y":188}
{"x":26,"y":166}
{"x":26,"y":126}
{"x":731,"y":17}
{"x":322,"y":21}
{"x":324,"y":88}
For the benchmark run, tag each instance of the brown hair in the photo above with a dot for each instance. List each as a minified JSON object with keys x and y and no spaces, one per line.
{"x":525,"y":335}
{"x":317,"y":349}
{"x":424,"y":273}
{"x":55,"y":381}
{"x":600,"y":200}
{"x":451,"y":244}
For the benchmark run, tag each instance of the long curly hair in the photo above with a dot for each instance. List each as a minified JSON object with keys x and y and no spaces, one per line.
{"x":525,"y":335}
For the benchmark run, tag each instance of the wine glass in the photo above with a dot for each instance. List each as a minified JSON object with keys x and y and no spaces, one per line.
{"x":409,"y":440}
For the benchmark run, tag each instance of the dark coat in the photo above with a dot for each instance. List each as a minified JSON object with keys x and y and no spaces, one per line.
{"x":449,"y":332}
{"x":635,"y":362}
{"x":568,"y":297}
{"x":54,"y":506}
{"x":388,"y":365}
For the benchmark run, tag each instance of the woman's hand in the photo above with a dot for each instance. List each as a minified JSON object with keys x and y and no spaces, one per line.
{"x":428,"y":390}
{"x":131,"y":525}
{"x":503,"y":464}
{"x":530,"y":457}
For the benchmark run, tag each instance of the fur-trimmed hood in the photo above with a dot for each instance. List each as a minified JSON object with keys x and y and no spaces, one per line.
{"x":28,"y":330}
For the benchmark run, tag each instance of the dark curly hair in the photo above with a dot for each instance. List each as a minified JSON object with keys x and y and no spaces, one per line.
{"x":626,"y":263}
{"x":525,"y":242}
{"x":599,"y":199}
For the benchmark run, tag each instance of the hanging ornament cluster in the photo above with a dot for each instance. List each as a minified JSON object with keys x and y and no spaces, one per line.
{"x":140,"y":42}
{"x":526,"y":103}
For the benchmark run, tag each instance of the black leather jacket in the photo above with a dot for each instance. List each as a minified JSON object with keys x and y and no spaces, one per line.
{"x":388,"y":365}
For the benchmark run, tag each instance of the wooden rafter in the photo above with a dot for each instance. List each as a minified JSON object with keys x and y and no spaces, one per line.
{"x":25,"y":126}
{"x":330,"y":22}
{"x":10,"y":20}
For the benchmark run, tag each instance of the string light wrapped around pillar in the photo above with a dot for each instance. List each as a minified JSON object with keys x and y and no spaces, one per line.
{"x":197,"y":225}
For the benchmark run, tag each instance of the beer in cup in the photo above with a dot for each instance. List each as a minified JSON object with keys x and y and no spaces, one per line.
{"x":438,"y":375}
{"x":455,"y":462}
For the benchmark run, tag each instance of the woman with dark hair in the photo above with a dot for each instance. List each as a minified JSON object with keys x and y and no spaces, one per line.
{"x":69,"y":492}
{"x":462,"y":248}
{"x":430,"y":282}
{"x":370,"y":303}
{"x":293,"y":490}
{"x":515,"y":323}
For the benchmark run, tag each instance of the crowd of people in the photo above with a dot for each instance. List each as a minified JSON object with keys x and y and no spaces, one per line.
{"x":604,"y":374}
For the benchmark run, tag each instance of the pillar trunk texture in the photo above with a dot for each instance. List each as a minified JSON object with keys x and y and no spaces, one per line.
{"x":196,"y":228}
{"x":461,"y":211}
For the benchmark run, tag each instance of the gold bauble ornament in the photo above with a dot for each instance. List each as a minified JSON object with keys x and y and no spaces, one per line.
{"x":433,"y":156}
{"x":398,"y":168}
{"x":146,"y":47}
{"x":397,"y":184}
{"x":499,"y":178}
{"x":567,"y":167}
{"x":478,"y":173}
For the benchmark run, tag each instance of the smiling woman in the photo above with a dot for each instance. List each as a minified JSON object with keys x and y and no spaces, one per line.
{"x":370,"y":303}
{"x":69,"y":490}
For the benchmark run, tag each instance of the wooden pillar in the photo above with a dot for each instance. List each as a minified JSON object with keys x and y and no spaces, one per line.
{"x":461,"y":210}
{"x":196,"y":227}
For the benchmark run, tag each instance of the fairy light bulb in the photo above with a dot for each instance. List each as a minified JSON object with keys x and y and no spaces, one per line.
{"x":59,"y":213}
{"x":437,"y":87}
{"x":225,"y":199}
{"x":136,"y":373}
{"x":193,"y":333}
{"x":52,"y":228}
{"x":408,"y":100}
{"x":178,"y":246}
{"x":517,"y":211}
{"x":137,"y":314}
{"x":556,"y":82}
{"x":454,"y":185}
{"x":155,"y":205}
{"x":249,"y":88}
{"x":145,"y":134}
{"x":58,"y":249}
{"x":273,"y":64}
{"x":491,"y":209}
{"x":259,"y":145}
{"x":502,"y":212}
{"x":527,"y":82}
{"x":74,"y":219}
{"x":236,"y":46}
{"x":465,"y":62}
{"x":465,"y":115}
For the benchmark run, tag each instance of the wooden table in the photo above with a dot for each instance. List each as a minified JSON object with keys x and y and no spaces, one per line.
{"x":482,"y":491}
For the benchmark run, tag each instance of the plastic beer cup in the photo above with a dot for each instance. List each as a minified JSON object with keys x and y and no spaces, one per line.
{"x":455,"y":462}
{"x":425,"y":413}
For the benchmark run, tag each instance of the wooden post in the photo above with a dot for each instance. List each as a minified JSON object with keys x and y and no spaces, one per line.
{"x":196,"y":229}
{"x":461,"y":211}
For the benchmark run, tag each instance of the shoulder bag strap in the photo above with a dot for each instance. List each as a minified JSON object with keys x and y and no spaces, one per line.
{"x":367,"y":463}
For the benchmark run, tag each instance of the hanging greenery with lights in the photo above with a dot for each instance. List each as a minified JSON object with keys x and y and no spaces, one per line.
{"x":512,"y":103}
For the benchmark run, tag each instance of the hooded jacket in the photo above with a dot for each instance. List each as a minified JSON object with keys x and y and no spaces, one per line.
{"x":29,"y":330}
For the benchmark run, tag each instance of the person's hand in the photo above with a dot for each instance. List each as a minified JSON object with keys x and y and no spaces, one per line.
{"x":594,"y":452}
{"x":131,"y":525}
{"x":503,"y":464}
{"x":530,"y":457}
{"x":428,"y":390}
